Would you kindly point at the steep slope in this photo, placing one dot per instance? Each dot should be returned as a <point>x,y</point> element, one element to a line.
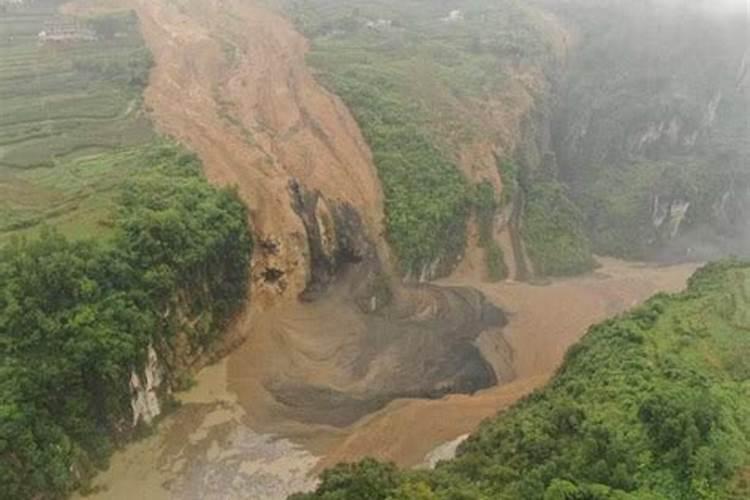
<point>650,147</point>
<point>655,141</point>
<point>448,94</point>
<point>231,82</point>
<point>259,121</point>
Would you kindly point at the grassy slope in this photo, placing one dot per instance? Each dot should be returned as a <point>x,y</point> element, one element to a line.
<point>76,196</point>
<point>654,404</point>
<point>554,232</point>
<point>71,122</point>
<point>417,89</point>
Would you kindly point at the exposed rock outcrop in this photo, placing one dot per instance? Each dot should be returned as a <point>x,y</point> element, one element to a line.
<point>652,140</point>
<point>144,390</point>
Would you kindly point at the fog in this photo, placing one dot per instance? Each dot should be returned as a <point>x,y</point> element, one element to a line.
<point>718,6</point>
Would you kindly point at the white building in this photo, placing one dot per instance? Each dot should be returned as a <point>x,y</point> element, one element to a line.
<point>65,30</point>
<point>454,16</point>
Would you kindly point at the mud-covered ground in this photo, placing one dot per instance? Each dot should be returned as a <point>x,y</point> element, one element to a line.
<point>206,450</point>
<point>544,321</point>
<point>233,439</point>
<point>329,363</point>
<point>335,377</point>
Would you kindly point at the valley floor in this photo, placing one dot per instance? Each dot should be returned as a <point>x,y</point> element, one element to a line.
<point>221,443</point>
<point>247,105</point>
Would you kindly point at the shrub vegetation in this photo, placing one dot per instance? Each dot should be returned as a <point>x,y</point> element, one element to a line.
<point>651,404</point>
<point>486,207</point>
<point>415,82</point>
<point>76,318</point>
<point>553,230</point>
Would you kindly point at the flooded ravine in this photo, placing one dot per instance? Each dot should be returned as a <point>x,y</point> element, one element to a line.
<point>320,382</point>
<point>206,449</point>
<point>229,440</point>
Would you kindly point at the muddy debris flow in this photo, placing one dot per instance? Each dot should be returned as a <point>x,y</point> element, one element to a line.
<point>329,362</point>
<point>339,359</point>
<point>231,438</point>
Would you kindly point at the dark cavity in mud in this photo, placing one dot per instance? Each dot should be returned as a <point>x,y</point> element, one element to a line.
<point>426,349</point>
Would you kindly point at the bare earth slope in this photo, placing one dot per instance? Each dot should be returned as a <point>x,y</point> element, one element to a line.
<point>230,82</point>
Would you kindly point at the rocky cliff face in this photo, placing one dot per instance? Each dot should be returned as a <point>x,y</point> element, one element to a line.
<point>638,151</point>
<point>651,128</point>
<point>145,389</point>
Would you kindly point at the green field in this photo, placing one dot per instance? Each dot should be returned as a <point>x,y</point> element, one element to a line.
<point>71,119</point>
<point>76,196</point>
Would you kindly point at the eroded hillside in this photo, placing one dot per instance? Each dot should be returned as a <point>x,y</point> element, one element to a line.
<point>493,145</point>
<point>230,81</point>
<point>620,123</point>
<point>454,99</point>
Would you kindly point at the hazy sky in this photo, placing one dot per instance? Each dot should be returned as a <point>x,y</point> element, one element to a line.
<point>719,6</point>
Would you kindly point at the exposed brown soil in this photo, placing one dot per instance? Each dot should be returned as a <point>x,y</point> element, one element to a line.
<point>544,322</point>
<point>231,83</point>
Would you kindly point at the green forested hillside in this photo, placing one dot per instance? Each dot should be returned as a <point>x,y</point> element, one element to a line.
<point>419,82</point>
<point>76,317</point>
<point>654,404</point>
<point>652,120</point>
<point>640,107</point>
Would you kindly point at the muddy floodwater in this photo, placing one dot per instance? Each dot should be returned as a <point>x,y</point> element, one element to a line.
<point>206,450</point>
<point>230,439</point>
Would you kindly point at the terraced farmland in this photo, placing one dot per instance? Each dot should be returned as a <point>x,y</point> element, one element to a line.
<point>70,113</point>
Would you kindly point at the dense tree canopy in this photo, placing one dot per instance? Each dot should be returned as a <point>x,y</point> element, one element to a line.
<point>76,317</point>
